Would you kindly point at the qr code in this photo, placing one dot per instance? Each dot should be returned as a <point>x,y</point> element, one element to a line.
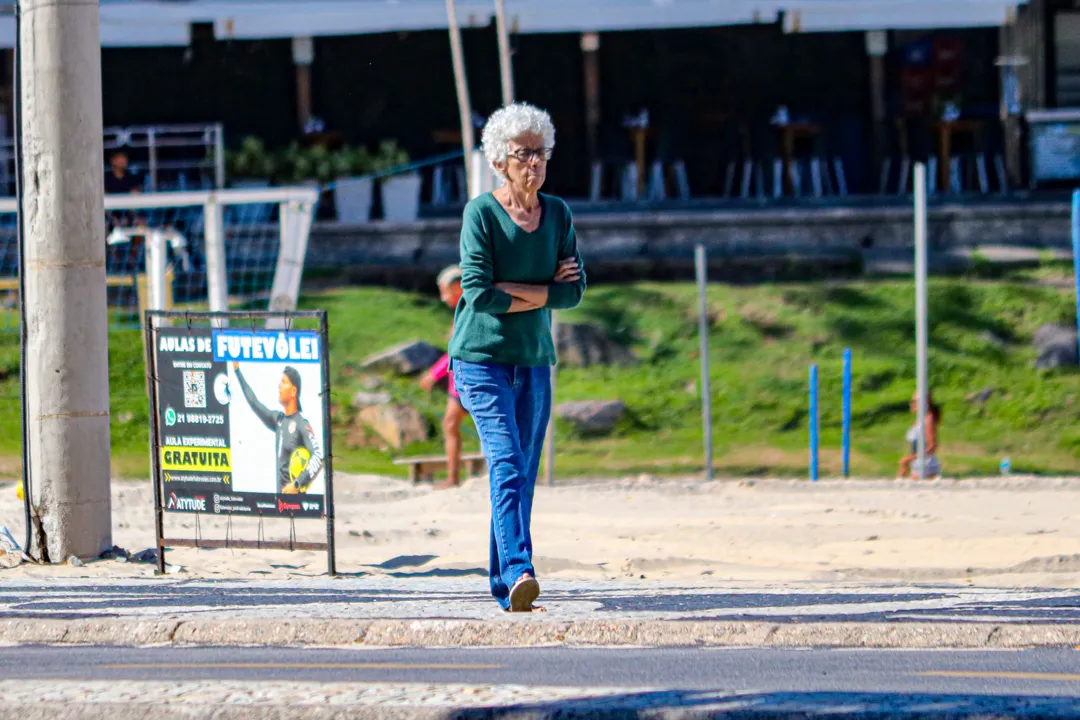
<point>194,389</point>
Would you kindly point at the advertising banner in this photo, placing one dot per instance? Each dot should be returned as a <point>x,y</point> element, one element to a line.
<point>241,421</point>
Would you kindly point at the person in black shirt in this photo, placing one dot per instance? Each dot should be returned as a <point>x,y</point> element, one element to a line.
<point>126,257</point>
<point>118,181</point>
<point>294,434</point>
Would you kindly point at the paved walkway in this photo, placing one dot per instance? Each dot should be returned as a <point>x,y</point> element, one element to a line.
<point>381,598</point>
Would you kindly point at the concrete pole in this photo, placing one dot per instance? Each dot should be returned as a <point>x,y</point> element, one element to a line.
<point>67,319</point>
<point>877,45</point>
<point>468,142</point>
<point>506,65</point>
<point>303,50</point>
<point>590,47</point>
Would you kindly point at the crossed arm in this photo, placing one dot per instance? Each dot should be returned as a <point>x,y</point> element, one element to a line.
<point>533,297</point>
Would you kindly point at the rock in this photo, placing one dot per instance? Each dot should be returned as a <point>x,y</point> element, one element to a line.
<point>994,340</point>
<point>370,382</point>
<point>361,436</point>
<point>1056,345</point>
<point>981,397</point>
<point>149,555</point>
<point>365,399</point>
<point>397,424</point>
<point>583,345</point>
<point>8,543</point>
<point>1051,334</point>
<point>10,560</point>
<point>592,417</point>
<point>74,561</point>
<point>407,358</point>
<point>114,553</point>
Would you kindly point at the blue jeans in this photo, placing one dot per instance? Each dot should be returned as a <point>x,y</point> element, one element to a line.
<point>510,406</point>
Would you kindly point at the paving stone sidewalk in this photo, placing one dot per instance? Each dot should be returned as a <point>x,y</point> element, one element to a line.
<point>231,700</point>
<point>455,612</point>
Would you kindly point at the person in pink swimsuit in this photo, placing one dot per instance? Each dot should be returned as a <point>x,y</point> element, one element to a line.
<point>449,281</point>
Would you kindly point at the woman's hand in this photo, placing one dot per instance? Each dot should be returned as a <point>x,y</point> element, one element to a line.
<point>568,271</point>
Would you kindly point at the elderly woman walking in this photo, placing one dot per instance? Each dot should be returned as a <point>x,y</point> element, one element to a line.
<point>519,260</point>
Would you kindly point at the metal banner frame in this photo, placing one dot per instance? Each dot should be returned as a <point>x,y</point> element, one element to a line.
<point>159,319</point>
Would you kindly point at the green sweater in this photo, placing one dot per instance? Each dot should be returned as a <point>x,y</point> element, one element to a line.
<point>495,249</point>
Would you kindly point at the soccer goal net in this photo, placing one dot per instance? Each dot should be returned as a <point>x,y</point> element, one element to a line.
<point>207,249</point>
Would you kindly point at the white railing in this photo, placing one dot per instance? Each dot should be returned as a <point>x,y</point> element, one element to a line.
<point>165,154</point>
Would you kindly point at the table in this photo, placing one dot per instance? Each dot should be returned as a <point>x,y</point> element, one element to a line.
<point>946,129</point>
<point>639,135</point>
<point>789,135</point>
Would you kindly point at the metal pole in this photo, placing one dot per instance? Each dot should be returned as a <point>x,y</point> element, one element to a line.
<point>155,441</point>
<point>505,63</point>
<point>701,271</point>
<point>549,441</point>
<point>152,146</point>
<point>468,142</point>
<point>67,332</point>
<point>813,423</point>
<point>1076,254</point>
<point>920,310</point>
<point>217,276</point>
<point>847,413</point>
<point>328,452</point>
<point>295,221</point>
<point>219,156</point>
<point>156,268</point>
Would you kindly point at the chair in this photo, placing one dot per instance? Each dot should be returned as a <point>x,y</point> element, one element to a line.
<point>736,159</point>
<point>682,181</point>
<point>629,188</point>
<point>462,183</point>
<point>766,154</point>
<point>917,146</point>
<point>439,190</point>
<point>596,178</point>
<point>993,147</point>
<point>833,172</point>
<point>656,190</point>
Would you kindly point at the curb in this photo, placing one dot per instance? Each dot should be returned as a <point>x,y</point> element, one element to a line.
<point>533,633</point>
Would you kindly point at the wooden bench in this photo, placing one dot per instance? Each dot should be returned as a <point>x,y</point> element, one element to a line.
<point>423,468</point>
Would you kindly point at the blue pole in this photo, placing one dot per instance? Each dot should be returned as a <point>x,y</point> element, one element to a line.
<point>1076,253</point>
<point>847,412</point>
<point>813,423</point>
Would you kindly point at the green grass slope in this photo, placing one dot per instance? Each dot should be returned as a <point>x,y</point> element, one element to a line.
<point>762,341</point>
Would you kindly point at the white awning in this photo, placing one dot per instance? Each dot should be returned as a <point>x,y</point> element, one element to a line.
<point>844,15</point>
<point>167,22</point>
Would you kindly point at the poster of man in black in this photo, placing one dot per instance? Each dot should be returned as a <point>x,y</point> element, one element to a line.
<point>299,457</point>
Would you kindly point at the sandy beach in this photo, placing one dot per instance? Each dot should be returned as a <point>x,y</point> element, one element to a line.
<point>1004,532</point>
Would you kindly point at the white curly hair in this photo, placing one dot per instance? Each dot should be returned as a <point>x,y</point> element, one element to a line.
<point>510,123</point>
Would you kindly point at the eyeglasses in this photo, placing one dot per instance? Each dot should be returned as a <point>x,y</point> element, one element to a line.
<point>524,155</point>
